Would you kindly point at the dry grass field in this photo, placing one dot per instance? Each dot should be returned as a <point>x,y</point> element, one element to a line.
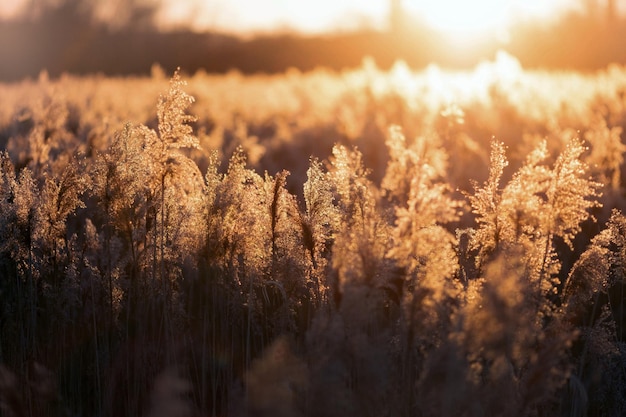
<point>356,243</point>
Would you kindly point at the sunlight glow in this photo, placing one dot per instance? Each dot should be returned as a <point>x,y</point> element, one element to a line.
<point>10,9</point>
<point>254,16</point>
<point>459,18</point>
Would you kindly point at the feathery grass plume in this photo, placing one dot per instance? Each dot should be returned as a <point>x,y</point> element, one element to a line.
<point>607,154</point>
<point>425,251</point>
<point>121,179</point>
<point>323,218</point>
<point>154,192</point>
<point>152,198</point>
<point>427,193</point>
<point>486,204</point>
<point>212,177</point>
<point>356,200</point>
<point>123,188</point>
<point>174,129</point>
<point>212,181</point>
<point>17,204</point>
<point>362,240</point>
<point>288,285</point>
<point>48,137</point>
<point>523,197</point>
<point>571,194</point>
<point>602,265</point>
<point>175,133</point>
<point>178,186</point>
<point>277,210</point>
<point>542,204</point>
<point>609,245</point>
<point>349,178</point>
<point>359,273</point>
<point>319,225</point>
<point>244,248</point>
<point>19,201</point>
<point>179,215</point>
<point>60,283</point>
<point>424,160</point>
<point>420,242</point>
<point>254,244</point>
<point>569,197</point>
<point>60,198</point>
<point>245,229</point>
<point>361,268</point>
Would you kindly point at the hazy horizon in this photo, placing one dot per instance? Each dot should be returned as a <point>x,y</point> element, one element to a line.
<point>129,36</point>
<point>252,17</point>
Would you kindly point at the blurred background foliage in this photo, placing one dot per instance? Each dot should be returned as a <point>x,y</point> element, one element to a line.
<point>68,36</point>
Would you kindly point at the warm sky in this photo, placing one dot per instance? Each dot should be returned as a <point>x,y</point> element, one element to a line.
<point>245,16</point>
<point>321,15</point>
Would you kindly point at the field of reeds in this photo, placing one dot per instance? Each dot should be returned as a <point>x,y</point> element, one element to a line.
<point>357,243</point>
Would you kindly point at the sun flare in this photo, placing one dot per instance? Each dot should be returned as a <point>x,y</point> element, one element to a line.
<point>462,18</point>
